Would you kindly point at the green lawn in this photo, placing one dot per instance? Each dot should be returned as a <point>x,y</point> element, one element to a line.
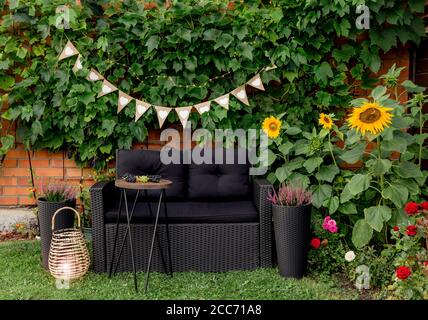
<point>21,277</point>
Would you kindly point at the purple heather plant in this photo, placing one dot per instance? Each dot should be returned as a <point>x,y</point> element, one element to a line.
<point>56,191</point>
<point>292,196</point>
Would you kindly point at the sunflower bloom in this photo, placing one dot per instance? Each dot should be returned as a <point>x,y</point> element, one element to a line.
<point>271,126</point>
<point>326,121</point>
<point>370,117</point>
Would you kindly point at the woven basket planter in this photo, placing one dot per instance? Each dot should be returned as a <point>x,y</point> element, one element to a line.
<point>46,212</point>
<point>292,227</point>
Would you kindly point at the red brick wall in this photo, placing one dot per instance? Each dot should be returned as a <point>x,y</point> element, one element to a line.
<point>15,173</point>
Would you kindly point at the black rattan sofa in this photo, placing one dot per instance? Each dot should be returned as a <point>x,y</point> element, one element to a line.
<point>219,218</point>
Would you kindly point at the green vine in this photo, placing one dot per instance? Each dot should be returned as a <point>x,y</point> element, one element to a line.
<point>166,56</point>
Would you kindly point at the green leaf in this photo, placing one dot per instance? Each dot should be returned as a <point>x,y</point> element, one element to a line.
<point>276,15</point>
<point>106,148</point>
<point>285,148</point>
<point>320,194</point>
<point>358,183</point>
<point>293,131</point>
<point>312,163</point>
<point>379,166</point>
<point>323,71</point>
<point>361,233</point>
<point>333,204</point>
<point>211,34</point>
<point>397,194</point>
<point>271,157</point>
<point>408,170</point>
<point>152,43</point>
<point>378,92</point>
<point>282,173</point>
<point>348,208</point>
<point>354,155</point>
<point>6,82</point>
<point>398,144</point>
<point>223,41</point>
<point>240,31</point>
<point>327,173</point>
<point>376,216</point>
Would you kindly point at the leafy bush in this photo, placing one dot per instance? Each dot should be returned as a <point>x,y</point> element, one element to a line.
<point>193,51</point>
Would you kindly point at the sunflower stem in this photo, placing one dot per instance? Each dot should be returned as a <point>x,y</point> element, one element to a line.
<point>421,124</point>
<point>331,149</point>
<point>379,157</point>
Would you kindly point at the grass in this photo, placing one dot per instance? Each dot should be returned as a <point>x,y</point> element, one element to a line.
<point>22,277</point>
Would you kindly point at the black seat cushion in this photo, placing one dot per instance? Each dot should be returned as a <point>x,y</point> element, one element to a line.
<point>225,181</point>
<point>191,212</point>
<point>140,162</point>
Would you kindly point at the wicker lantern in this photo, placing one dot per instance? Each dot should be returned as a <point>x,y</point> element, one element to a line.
<point>68,255</point>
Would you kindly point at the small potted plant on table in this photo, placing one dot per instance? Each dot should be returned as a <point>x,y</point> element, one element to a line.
<point>54,195</point>
<point>291,208</point>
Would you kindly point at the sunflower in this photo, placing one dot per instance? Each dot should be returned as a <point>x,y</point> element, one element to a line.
<point>326,121</point>
<point>271,126</point>
<point>370,117</point>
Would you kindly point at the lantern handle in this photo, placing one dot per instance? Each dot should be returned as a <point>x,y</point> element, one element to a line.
<point>64,208</point>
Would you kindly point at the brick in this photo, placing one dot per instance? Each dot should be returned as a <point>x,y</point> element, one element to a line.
<point>49,172</point>
<point>11,191</point>
<point>17,154</point>
<point>23,181</point>
<point>73,172</point>
<point>8,181</point>
<point>59,163</point>
<point>27,200</point>
<point>8,201</point>
<point>16,172</point>
<point>88,172</point>
<point>9,163</point>
<point>36,163</point>
<point>44,154</point>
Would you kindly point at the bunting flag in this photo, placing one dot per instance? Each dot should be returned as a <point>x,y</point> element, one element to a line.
<point>272,67</point>
<point>78,64</point>
<point>68,51</point>
<point>256,82</point>
<point>140,108</point>
<point>223,101</point>
<point>94,75</point>
<point>241,94</point>
<point>162,113</point>
<point>203,107</point>
<point>123,101</point>
<point>183,114</point>
<point>106,88</point>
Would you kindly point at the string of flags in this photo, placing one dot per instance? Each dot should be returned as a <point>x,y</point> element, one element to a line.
<point>162,112</point>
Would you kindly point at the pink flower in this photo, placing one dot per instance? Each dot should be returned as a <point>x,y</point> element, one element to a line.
<point>329,224</point>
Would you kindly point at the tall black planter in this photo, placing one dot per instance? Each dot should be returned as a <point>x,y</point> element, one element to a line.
<point>63,220</point>
<point>292,227</point>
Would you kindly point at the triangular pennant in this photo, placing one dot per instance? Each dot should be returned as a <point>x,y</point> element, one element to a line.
<point>162,113</point>
<point>183,114</point>
<point>78,64</point>
<point>68,51</point>
<point>256,82</point>
<point>241,95</point>
<point>203,107</point>
<point>106,88</point>
<point>94,75</point>
<point>223,101</point>
<point>271,67</point>
<point>140,108</point>
<point>123,101</point>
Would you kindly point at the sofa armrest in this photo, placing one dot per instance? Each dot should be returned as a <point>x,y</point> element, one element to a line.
<point>261,190</point>
<point>101,195</point>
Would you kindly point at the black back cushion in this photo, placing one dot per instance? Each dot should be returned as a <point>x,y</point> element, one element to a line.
<point>140,162</point>
<point>224,181</point>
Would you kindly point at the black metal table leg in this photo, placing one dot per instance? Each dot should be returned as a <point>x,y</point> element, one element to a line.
<point>167,235</point>
<point>115,234</point>
<point>127,229</point>
<point>149,264</point>
<point>157,238</point>
<point>130,238</point>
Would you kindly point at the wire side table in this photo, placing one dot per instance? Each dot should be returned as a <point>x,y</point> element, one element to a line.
<point>123,185</point>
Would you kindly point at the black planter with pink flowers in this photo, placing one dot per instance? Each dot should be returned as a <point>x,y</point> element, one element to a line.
<point>292,231</point>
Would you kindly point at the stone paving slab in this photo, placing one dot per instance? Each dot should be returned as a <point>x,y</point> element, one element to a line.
<point>10,216</point>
